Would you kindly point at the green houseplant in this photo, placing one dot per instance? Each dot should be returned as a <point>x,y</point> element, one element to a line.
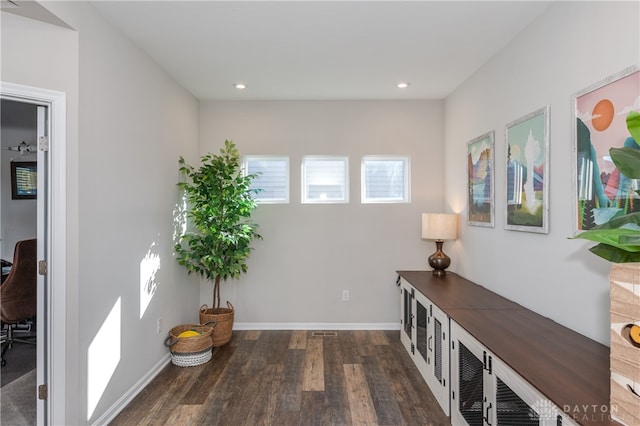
<point>219,205</point>
<point>619,238</point>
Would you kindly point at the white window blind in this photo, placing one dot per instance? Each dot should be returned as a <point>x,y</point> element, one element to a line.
<point>385,179</point>
<point>325,179</point>
<point>272,177</point>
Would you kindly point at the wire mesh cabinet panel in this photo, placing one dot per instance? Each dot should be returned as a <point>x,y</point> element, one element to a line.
<point>407,294</point>
<point>470,386</point>
<point>518,403</point>
<point>486,392</point>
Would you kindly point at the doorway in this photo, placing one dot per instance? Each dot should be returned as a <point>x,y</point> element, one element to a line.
<point>18,223</point>
<point>48,390</point>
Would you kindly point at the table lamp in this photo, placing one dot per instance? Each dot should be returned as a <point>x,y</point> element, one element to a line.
<point>439,227</point>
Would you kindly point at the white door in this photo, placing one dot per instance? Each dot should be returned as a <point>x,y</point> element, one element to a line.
<point>52,248</point>
<point>43,239</point>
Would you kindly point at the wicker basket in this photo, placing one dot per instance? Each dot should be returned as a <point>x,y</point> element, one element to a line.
<point>224,322</point>
<point>193,350</point>
<point>191,359</point>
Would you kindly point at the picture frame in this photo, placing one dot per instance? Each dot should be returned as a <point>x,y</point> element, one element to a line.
<point>24,180</point>
<point>527,173</point>
<point>480,180</point>
<point>599,122</point>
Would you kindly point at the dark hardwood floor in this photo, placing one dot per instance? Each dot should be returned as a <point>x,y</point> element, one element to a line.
<point>292,378</point>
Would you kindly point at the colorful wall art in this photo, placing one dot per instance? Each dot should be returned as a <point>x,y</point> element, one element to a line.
<point>527,205</point>
<point>600,123</point>
<point>480,180</point>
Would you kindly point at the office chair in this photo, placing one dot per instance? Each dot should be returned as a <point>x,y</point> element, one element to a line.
<point>18,293</point>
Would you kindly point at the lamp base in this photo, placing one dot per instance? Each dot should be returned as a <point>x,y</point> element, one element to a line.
<point>439,261</point>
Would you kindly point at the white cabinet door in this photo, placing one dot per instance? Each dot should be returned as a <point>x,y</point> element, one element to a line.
<point>425,334</point>
<point>469,385</point>
<point>518,403</point>
<point>438,347</point>
<point>406,316</point>
<point>432,348</point>
<point>506,398</point>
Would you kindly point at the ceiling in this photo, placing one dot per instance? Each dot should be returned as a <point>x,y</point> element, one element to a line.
<point>286,50</point>
<point>31,9</point>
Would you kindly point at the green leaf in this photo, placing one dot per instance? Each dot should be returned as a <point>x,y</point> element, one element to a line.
<point>627,160</point>
<point>610,237</point>
<point>631,239</point>
<point>633,125</point>
<point>614,254</point>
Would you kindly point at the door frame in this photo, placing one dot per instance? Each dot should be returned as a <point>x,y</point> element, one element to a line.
<point>51,410</point>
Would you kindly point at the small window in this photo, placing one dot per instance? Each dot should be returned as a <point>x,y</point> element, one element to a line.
<point>272,178</point>
<point>325,179</point>
<point>385,179</point>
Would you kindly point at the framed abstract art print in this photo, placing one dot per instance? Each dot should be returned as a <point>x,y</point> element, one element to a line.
<point>480,180</point>
<point>599,123</point>
<point>527,178</point>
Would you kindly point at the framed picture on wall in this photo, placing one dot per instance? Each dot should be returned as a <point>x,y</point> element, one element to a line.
<point>599,121</point>
<point>527,183</point>
<point>24,180</point>
<point>480,180</point>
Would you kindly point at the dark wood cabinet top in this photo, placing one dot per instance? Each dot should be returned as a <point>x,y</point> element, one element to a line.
<point>568,368</point>
<point>454,292</point>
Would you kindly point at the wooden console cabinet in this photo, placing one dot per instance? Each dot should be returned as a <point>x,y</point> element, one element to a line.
<point>504,363</point>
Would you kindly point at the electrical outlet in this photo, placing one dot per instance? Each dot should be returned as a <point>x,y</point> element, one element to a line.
<point>345,295</point>
<point>159,325</point>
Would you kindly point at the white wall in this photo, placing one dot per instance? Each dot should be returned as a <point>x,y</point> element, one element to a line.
<point>567,49</point>
<point>311,252</point>
<point>26,45</point>
<point>129,123</point>
<point>18,217</point>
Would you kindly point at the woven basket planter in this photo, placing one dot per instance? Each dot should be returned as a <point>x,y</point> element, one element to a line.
<point>224,322</point>
<point>191,359</point>
<point>193,350</point>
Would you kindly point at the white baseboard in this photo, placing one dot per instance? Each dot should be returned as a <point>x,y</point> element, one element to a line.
<point>315,326</point>
<point>108,416</point>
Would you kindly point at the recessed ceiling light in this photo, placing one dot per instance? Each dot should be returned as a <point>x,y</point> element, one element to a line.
<point>240,86</point>
<point>403,85</point>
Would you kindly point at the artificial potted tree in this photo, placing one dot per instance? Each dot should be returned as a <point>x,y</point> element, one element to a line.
<point>619,242</point>
<point>218,242</point>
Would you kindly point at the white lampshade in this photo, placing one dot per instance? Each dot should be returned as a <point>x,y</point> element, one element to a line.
<point>439,226</point>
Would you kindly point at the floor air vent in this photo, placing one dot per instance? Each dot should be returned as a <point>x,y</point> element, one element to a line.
<point>324,334</point>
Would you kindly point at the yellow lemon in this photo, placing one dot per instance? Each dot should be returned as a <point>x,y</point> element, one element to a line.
<point>188,333</point>
<point>634,333</point>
